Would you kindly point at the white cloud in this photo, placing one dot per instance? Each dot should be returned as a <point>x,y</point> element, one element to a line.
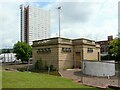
<point>10,27</point>
<point>89,20</point>
<point>92,19</point>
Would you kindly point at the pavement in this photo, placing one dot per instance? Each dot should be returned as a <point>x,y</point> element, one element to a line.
<point>73,74</point>
<point>77,76</point>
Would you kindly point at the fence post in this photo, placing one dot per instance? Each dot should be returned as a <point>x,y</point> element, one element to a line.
<point>82,72</point>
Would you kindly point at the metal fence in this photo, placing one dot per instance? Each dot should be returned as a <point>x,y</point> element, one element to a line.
<point>100,74</point>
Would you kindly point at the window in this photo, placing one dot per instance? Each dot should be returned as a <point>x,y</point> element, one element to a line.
<point>44,50</point>
<point>90,50</point>
<point>66,49</point>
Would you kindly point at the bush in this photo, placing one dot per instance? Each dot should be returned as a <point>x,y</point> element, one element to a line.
<point>108,57</point>
<point>104,57</point>
<point>39,65</point>
<point>45,65</point>
<point>51,68</point>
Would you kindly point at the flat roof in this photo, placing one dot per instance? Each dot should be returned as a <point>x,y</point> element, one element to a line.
<point>83,39</point>
<point>63,38</point>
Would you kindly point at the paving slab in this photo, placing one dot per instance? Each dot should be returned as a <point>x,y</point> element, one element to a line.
<point>77,76</point>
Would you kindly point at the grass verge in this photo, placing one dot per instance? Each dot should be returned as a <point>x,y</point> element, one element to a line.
<point>37,80</point>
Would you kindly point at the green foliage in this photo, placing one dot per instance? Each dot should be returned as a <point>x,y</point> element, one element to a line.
<point>23,51</point>
<point>108,57</point>
<point>51,68</point>
<point>39,65</point>
<point>114,48</point>
<point>7,50</point>
<point>45,65</point>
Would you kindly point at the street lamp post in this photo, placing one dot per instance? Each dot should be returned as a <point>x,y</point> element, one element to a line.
<point>59,8</point>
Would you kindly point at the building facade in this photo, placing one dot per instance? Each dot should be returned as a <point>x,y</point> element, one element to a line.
<point>104,45</point>
<point>35,24</point>
<point>65,53</point>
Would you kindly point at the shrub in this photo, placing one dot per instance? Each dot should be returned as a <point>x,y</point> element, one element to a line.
<point>51,68</point>
<point>108,57</point>
<point>45,65</point>
<point>39,65</point>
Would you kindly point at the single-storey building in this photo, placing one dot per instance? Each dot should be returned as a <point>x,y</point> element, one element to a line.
<point>65,53</point>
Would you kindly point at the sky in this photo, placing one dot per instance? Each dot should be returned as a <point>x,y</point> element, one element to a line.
<point>91,19</point>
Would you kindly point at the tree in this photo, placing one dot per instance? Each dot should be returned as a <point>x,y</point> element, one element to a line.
<point>7,50</point>
<point>23,51</point>
<point>114,48</point>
